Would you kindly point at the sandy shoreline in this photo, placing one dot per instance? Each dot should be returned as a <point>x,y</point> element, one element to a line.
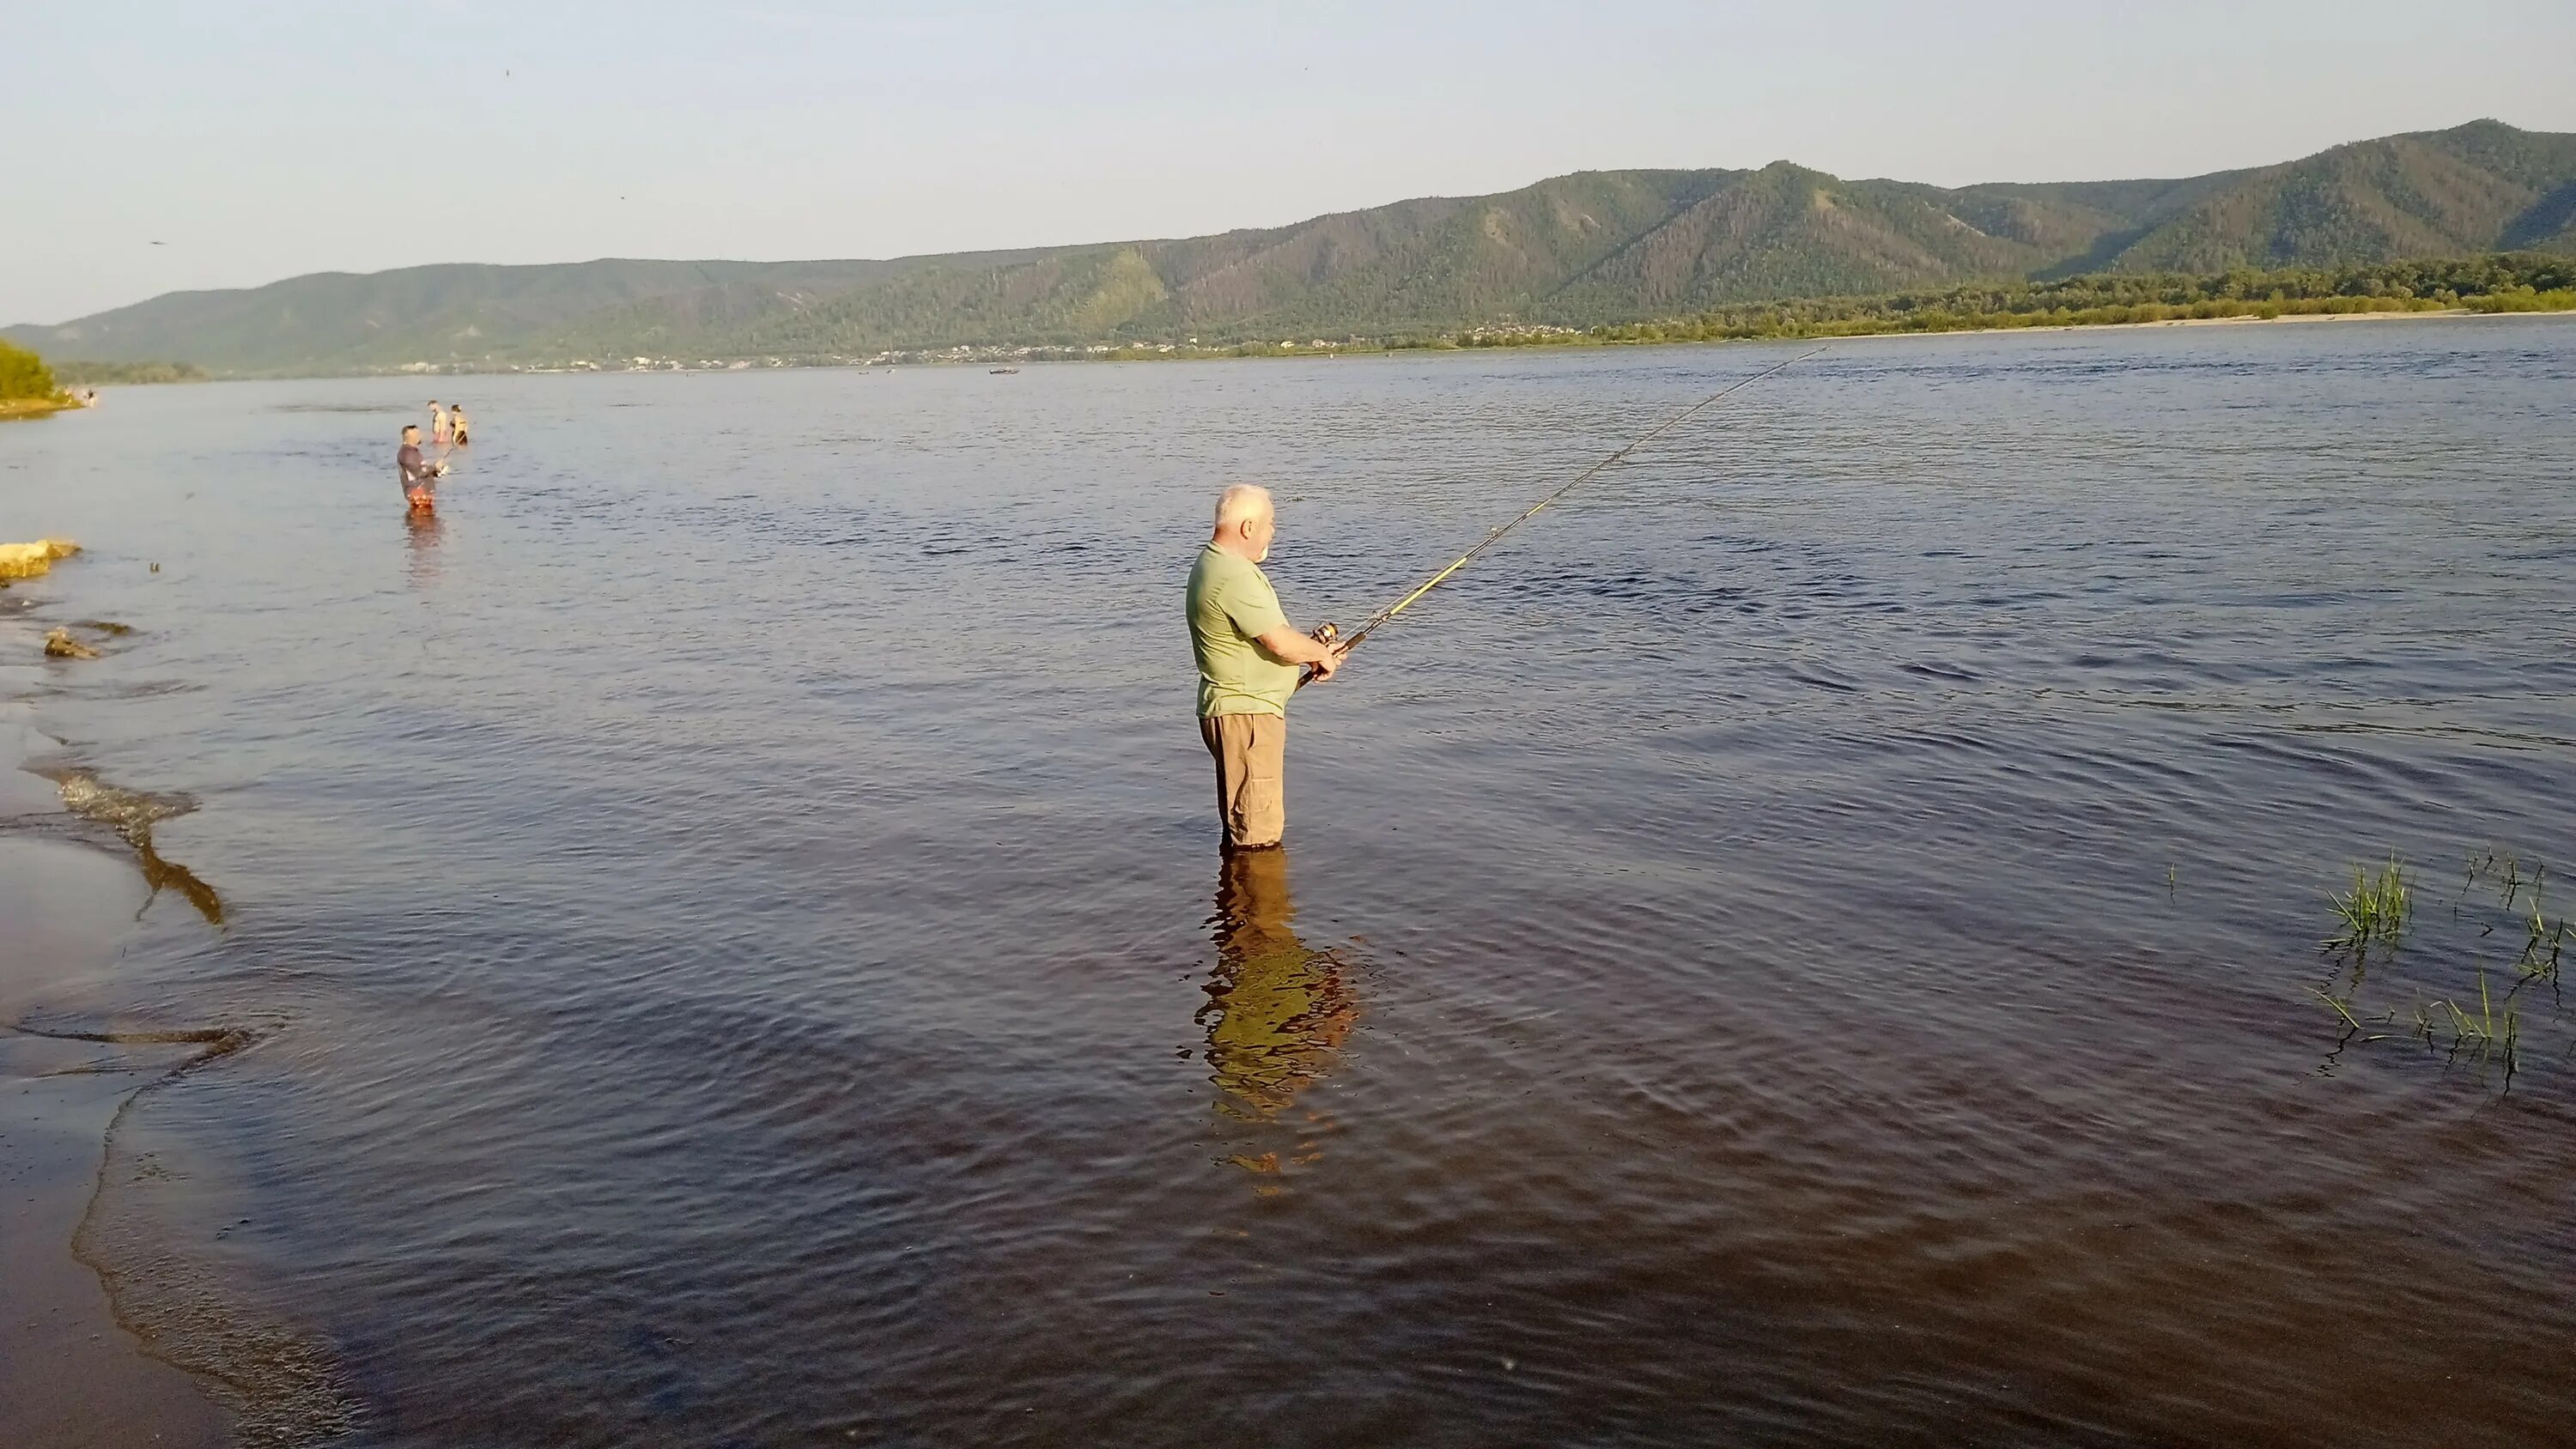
<point>71,1376</point>
<point>2453,313</point>
<point>36,407</point>
<point>1823,338</point>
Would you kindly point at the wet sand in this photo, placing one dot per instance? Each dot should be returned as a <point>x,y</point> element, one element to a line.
<point>70,1375</point>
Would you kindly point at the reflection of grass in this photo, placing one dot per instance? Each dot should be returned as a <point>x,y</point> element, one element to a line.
<point>2375,909</point>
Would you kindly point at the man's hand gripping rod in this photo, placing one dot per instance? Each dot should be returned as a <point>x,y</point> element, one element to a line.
<point>1327,633</point>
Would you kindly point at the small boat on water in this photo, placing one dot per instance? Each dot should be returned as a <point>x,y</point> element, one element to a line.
<point>998,371</point>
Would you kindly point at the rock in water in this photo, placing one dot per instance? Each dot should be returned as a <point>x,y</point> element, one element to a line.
<point>26,560</point>
<point>61,645</point>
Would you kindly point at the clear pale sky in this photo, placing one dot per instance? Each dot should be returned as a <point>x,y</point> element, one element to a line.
<point>259,141</point>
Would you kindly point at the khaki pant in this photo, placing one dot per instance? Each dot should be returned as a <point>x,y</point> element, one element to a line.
<point>1251,753</point>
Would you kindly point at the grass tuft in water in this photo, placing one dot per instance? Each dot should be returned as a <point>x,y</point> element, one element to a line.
<point>2343,1009</point>
<point>2376,909</point>
<point>2511,873</point>
<point>2487,1033</point>
<point>2545,941</point>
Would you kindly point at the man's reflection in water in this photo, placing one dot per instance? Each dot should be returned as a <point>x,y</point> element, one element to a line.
<point>426,530</point>
<point>1277,1012</point>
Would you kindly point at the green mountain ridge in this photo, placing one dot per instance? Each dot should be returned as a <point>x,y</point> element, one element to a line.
<point>1578,250</point>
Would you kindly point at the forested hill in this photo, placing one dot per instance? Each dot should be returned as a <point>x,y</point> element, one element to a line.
<point>1594,247</point>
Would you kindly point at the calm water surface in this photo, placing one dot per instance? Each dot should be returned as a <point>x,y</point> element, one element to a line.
<point>1814,942</point>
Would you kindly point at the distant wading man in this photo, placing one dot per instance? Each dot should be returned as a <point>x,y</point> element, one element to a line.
<point>419,475</point>
<point>1249,662</point>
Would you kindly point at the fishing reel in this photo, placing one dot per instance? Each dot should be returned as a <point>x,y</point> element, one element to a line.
<point>1324,633</point>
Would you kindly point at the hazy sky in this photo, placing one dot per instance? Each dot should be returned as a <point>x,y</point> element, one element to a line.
<point>263,140</point>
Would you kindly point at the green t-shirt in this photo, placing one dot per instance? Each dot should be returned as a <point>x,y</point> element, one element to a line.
<point>1231,605</point>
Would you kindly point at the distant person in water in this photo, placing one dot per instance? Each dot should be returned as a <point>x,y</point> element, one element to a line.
<point>419,475</point>
<point>456,423</point>
<point>437,424</point>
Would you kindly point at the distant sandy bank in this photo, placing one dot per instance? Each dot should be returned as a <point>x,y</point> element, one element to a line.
<point>2247,321</point>
<point>38,407</point>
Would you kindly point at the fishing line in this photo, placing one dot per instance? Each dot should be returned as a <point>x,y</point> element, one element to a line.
<point>1329,633</point>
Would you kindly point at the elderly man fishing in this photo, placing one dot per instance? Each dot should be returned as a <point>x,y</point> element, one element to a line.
<point>1249,658</point>
<point>1250,661</point>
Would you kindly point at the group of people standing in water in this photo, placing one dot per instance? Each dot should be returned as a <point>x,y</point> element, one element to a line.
<point>419,474</point>
<point>446,424</point>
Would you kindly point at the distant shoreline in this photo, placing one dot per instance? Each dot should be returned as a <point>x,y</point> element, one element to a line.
<point>2245,321</point>
<point>1444,347</point>
<point>1247,352</point>
<point>1792,337</point>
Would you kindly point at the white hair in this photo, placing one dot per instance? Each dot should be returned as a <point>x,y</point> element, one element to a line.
<point>1241,504</point>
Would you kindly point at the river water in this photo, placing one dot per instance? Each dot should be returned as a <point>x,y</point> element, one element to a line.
<point>1814,941</point>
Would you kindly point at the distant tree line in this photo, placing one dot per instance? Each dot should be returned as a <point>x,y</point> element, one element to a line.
<point>2504,282</point>
<point>99,374</point>
<point>24,375</point>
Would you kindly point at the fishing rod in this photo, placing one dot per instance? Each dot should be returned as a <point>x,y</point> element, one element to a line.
<point>1328,633</point>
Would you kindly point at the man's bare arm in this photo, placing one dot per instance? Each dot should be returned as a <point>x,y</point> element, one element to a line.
<point>1296,648</point>
<point>1288,644</point>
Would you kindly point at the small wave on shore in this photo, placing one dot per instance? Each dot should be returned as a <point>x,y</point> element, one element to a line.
<point>152,1225</point>
<point>170,1283</point>
<point>160,1205</point>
